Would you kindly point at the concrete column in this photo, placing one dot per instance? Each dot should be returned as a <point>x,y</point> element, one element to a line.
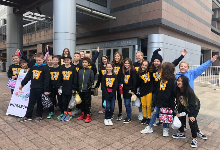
<point>64,26</point>
<point>14,37</point>
<point>39,48</point>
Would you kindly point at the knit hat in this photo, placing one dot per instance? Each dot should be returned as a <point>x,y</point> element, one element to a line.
<point>156,55</point>
<point>66,56</point>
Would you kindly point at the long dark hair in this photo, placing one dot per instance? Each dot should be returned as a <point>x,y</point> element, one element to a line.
<point>101,63</point>
<point>131,65</point>
<point>167,71</point>
<point>186,88</point>
<point>68,51</point>
<point>140,70</point>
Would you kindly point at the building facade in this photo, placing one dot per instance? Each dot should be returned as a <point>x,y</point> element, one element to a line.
<point>135,25</point>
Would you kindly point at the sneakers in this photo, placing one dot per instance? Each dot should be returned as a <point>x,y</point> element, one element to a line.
<point>68,117</point>
<point>112,116</point>
<point>106,122</point>
<point>157,122</point>
<point>127,120</point>
<point>23,119</point>
<point>140,116</point>
<point>119,117</point>
<point>101,111</point>
<point>194,143</point>
<point>148,129</point>
<point>50,115</point>
<point>38,119</point>
<point>179,136</point>
<point>144,121</point>
<point>63,118</point>
<point>165,132</point>
<point>60,116</point>
<point>110,123</point>
<point>88,118</point>
<point>201,135</point>
<point>82,116</point>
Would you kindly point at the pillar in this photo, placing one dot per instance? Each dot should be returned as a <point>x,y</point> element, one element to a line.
<point>64,26</point>
<point>40,48</point>
<point>14,32</point>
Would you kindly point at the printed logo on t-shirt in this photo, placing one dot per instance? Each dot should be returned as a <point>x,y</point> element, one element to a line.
<point>36,74</point>
<point>182,101</point>
<point>136,68</point>
<point>66,75</point>
<point>109,82</point>
<point>145,77</point>
<point>90,67</point>
<point>77,69</point>
<point>16,71</point>
<point>126,79</point>
<point>116,70</point>
<point>103,72</point>
<point>157,76</point>
<point>163,85</point>
<point>54,75</point>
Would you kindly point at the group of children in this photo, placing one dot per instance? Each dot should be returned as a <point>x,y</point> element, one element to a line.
<point>153,82</point>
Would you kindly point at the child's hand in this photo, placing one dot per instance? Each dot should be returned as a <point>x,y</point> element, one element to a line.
<point>97,49</point>
<point>214,58</point>
<point>178,115</point>
<point>73,91</point>
<point>14,77</point>
<point>20,87</point>
<point>46,93</point>
<point>192,119</point>
<point>184,52</point>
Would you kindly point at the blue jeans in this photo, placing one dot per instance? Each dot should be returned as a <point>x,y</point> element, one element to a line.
<point>128,107</point>
<point>154,116</point>
<point>110,105</point>
<point>103,98</point>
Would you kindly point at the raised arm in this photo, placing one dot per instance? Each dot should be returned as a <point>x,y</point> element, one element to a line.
<point>177,61</point>
<point>200,69</point>
<point>94,58</point>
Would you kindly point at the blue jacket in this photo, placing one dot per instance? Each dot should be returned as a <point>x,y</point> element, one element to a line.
<point>193,74</point>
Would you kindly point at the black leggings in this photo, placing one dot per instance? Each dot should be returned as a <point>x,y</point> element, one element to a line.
<point>193,126</point>
<point>119,101</point>
<point>66,100</point>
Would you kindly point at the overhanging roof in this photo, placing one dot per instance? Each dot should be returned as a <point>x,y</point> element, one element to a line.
<point>23,5</point>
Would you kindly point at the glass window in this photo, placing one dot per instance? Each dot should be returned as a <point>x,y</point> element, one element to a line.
<point>108,53</point>
<point>125,52</point>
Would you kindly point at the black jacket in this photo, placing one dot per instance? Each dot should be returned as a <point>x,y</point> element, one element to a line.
<point>129,83</point>
<point>101,73</point>
<point>145,83</point>
<point>118,72</point>
<point>110,82</point>
<point>39,76</point>
<point>164,97</point>
<point>54,75</point>
<point>84,80</point>
<point>93,67</point>
<point>66,79</point>
<point>13,70</point>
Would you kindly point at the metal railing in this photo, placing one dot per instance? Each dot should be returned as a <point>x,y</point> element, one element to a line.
<point>210,76</point>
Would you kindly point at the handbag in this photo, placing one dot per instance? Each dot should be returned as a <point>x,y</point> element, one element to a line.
<point>120,89</point>
<point>46,101</point>
<point>166,115</point>
<point>78,98</point>
<point>11,83</point>
<point>72,103</point>
<point>176,123</point>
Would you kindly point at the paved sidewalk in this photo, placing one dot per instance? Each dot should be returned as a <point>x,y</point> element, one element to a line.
<point>53,134</point>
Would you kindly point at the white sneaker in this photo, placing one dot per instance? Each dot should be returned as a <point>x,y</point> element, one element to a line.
<point>140,116</point>
<point>148,129</point>
<point>165,132</point>
<point>110,123</point>
<point>106,122</point>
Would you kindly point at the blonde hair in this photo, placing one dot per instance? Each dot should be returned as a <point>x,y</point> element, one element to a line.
<point>184,63</point>
<point>49,57</point>
<point>139,52</point>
